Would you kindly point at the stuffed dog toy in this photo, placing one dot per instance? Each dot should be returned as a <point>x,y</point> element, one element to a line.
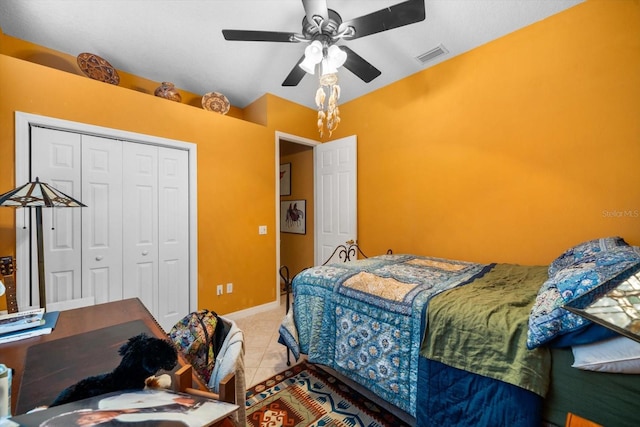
<point>142,357</point>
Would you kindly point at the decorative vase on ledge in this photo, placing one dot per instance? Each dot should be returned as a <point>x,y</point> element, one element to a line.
<point>168,91</point>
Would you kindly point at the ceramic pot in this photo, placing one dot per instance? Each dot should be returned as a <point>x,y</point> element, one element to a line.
<point>168,91</point>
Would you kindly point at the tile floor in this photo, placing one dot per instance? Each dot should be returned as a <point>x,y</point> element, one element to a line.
<point>264,356</point>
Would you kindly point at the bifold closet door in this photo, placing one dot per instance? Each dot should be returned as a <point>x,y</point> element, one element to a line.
<point>156,230</point>
<point>173,236</point>
<point>140,223</point>
<point>102,219</point>
<point>55,159</point>
<point>132,239</point>
<point>83,246</point>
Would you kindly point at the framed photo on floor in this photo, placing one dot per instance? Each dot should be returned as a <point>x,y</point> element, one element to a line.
<point>285,179</point>
<point>140,407</point>
<point>293,216</point>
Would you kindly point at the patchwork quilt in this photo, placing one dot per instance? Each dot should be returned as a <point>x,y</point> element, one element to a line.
<point>366,319</point>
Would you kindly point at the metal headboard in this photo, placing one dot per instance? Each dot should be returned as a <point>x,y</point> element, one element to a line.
<point>349,252</point>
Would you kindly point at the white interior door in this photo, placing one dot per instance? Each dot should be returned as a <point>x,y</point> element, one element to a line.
<point>140,223</point>
<point>173,236</point>
<point>56,158</point>
<point>335,195</point>
<point>101,219</point>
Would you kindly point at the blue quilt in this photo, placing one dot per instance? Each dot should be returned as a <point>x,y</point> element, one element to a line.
<point>452,397</point>
<point>365,319</point>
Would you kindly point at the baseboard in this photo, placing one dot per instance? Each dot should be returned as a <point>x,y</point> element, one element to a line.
<point>252,310</point>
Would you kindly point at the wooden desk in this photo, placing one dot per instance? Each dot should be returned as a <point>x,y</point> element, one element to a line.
<point>73,323</point>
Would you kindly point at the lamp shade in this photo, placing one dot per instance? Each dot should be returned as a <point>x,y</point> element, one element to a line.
<point>312,56</point>
<point>38,193</point>
<point>336,56</point>
<point>327,68</point>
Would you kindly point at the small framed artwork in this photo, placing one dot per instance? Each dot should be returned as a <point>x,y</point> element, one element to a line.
<point>293,216</point>
<point>285,179</point>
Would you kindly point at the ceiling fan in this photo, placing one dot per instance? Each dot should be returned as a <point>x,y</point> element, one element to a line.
<point>326,26</point>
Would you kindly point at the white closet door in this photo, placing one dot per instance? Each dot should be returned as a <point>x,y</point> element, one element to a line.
<point>55,159</point>
<point>132,239</point>
<point>102,218</point>
<point>140,224</point>
<point>173,238</point>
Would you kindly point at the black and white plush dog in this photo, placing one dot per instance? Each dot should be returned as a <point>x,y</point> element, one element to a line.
<point>142,357</point>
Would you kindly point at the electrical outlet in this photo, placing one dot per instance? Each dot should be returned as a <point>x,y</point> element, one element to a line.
<point>262,229</point>
<point>229,288</point>
<point>220,291</point>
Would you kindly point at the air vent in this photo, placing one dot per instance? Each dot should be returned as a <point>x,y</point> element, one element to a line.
<point>432,54</point>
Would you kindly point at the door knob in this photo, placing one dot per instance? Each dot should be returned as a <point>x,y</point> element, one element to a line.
<point>99,258</point>
<point>145,253</point>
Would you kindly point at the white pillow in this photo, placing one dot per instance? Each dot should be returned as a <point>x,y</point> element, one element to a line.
<point>620,355</point>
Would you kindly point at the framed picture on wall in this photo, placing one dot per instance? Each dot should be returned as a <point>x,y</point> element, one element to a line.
<point>293,216</point>
<point>285,179</point>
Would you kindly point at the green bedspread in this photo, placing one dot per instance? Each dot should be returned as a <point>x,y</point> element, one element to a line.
<point>482,327</point>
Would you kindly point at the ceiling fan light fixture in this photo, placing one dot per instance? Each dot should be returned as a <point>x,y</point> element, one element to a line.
<point>312,56</point>
<point>336,56</point>
<point>328,67</point>
<point>308,65</point>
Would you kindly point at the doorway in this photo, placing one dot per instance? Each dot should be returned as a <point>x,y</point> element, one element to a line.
<point>330,208</point>
<point>295,245</point>
<point>296,206</point>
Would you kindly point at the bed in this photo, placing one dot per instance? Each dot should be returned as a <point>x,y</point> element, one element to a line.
<point>449,341</point>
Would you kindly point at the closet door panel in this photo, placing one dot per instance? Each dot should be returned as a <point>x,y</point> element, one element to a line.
<point>102,219</point>
<point>140,223</point>
<point>55,159</point>
<point>173,229</point>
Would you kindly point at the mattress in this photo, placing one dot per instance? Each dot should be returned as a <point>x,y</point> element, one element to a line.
<point>604,398</point>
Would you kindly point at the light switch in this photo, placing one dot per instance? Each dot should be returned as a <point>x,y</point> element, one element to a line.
<point>262,229</point>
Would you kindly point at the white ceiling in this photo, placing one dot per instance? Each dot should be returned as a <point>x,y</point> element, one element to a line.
<point>181,40</point>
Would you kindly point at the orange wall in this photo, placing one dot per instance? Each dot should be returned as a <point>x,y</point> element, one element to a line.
<point>511,152</point>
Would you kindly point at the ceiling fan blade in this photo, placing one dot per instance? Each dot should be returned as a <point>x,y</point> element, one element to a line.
<point>315,8</point>
<point>360,66</point>
<point>259,36</point>
<point>398,15</point>
<point>295,76</point>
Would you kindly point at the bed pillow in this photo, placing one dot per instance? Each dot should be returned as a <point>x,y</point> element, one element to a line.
<point>620,355</point>
<point>590,333</point>
<point>584,250</point>
<point>548,321</point>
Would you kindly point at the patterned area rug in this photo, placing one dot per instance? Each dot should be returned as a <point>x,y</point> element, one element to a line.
<point>305,395</point>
